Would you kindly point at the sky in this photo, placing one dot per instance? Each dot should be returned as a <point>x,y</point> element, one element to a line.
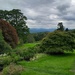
<point>44,13</point>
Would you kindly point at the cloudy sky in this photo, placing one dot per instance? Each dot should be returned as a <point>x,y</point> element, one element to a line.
<point>44,13</point>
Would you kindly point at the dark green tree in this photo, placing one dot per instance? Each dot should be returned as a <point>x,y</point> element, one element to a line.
<point>30,38</point>
<point>57,42</point>
<point>39,36</point>
<point>60,26</point>
<point>66,29</point>
<point>4,14</point>
<point>16,18</point>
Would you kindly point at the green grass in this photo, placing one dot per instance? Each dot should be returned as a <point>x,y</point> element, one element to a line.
<point>27,45</point>
<point>50,65</point>
<point>30,44</point>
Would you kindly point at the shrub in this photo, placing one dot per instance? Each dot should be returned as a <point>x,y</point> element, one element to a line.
<point>15,58</point>
<point>25,54</point>
<point>29,53</point>
<point>57,42</point>
<point>13,69</point>
<point>4,47</point>
<point>9,33</point>
<point>4,60</point>
<point>37,48</point>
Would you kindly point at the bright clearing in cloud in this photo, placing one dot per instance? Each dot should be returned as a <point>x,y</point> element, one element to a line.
<point>44,13</point>
<point>73,2</point>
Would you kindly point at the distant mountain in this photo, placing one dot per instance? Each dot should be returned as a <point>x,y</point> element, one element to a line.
<point>36,30</point>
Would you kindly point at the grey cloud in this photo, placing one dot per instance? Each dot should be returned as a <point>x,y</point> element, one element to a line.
<point>63,5</point>
<point>38,3</point>
<point>69,17</point>
<point>43,13</point>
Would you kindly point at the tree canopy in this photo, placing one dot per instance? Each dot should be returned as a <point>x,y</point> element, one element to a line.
<point>57,42</point>
<point>60,26</point>
<point>16,18</point>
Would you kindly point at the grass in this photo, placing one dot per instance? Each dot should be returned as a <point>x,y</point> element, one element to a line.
<point>50,65</point>
<point>27,45</point>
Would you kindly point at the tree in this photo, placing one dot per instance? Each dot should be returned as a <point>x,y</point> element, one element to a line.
<point>66,29</point>
<point>18,20</point>
<point>39,36</point>
<point>9,33</point>
<point>30,38</point>
<point>60,26</point>
<point>57,42</point>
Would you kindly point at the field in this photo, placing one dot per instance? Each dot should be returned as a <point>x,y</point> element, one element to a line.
<point>49,64</point>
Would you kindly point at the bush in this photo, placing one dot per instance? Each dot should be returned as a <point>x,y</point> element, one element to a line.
<point>29,53</point>
<point>12,69</point>
<point>9,33</point>
<point>15,58</point>
<point>25,54</point>
<point>4,47</point>
<point>4,60</point>
<point>57,42</point>
<point>37,48</point>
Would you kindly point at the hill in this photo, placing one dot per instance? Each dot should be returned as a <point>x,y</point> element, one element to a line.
<point>36,30</point>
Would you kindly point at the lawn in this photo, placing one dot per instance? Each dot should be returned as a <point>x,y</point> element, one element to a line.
<point>27,45</point>
<point>50,65</point>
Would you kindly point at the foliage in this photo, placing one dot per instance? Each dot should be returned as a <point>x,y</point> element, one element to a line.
<point>72,32</point>
<point>39,36</point>
<point>57,42</point>
<point>60,26</point>
<point>9,33</point>
<point>4,60</point>
<point>13,69</point>
<point>37,48</point>
<point>30,39</point>
<point>66,29</point>
<point>15,57</point>
<point>29,53</point>
<point>16,18</point>
<point>4,47</point>
<point>26,53</point>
